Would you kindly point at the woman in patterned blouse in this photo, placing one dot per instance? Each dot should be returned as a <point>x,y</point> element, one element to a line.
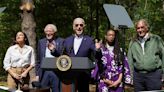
<point>109,71</point>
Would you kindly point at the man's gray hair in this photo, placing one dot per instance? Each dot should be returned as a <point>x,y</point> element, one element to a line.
<point>144,21</point>
<point>52,26</point>
<point>79,19</point>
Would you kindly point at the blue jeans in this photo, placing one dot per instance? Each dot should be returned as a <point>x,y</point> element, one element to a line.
<point>50,79</point>
<point>147,81</point>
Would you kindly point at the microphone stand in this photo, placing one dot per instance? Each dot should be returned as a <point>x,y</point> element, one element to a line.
<point>122,29</point>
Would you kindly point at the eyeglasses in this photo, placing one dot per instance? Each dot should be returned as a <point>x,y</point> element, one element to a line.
<point>81,25</point>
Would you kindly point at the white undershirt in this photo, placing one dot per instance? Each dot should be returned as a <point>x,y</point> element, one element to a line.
<point>142,42</point>
<point>77,43</point>
<point>48,52</point>
<point>110,48</point>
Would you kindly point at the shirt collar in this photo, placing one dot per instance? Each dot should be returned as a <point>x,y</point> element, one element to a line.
<point>78,37</point>
<point>146,37</point>
<point>17,46</point>
<point>109,47</point>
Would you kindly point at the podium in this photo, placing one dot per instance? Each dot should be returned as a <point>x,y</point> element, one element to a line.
<point>68,78</point>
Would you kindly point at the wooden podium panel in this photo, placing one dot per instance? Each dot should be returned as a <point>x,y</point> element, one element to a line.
<point>68,86</point>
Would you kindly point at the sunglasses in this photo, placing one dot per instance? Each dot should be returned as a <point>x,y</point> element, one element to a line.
<point>81,25</point>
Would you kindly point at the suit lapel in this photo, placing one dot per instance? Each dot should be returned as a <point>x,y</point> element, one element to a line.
<point>72,45</point>
<point>82,45</point>
<point>57,43</point>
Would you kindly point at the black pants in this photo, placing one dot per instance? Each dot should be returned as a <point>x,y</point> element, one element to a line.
<point>147,81</point>
<point>83,82</point>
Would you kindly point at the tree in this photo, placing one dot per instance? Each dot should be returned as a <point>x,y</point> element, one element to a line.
<point>28,24</point>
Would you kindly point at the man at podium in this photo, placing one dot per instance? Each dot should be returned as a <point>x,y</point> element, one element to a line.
<point>80,45</point>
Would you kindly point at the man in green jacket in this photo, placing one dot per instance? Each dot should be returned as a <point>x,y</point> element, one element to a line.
<point>146,58</point>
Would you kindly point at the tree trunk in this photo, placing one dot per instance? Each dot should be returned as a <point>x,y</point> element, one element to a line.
<point>28,27</point>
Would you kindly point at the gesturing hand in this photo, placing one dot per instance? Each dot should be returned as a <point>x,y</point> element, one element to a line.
<point>51,46</point>
<point>98,44</point>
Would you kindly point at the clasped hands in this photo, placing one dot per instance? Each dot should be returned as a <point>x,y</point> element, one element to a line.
<point>111,83</point>
<point>19,76</point>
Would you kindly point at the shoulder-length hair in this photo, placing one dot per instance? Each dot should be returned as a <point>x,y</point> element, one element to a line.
<point>25,39</point>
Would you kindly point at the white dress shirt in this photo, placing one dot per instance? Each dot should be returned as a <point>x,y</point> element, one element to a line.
<point>77,43</point>
<point>19,57</point>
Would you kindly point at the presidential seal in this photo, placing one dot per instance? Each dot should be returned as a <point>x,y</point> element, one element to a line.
<point>63,63</point>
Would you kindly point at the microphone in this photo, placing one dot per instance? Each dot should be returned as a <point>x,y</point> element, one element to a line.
<point>64,51</point>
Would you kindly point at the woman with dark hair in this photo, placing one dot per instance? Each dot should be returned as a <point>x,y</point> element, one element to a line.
<point>18,61</point>
<point>109,68</point>
<point>26,42</point>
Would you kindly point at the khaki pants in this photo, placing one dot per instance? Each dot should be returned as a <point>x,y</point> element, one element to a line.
<point>13,83</point>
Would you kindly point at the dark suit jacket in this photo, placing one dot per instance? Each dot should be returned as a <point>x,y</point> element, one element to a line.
<point>41,52</point>
<point>86,48</point>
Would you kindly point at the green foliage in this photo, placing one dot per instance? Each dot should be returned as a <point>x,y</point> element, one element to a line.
<point>152,11</point>
<point>62,13</point>
<point>9,25</point>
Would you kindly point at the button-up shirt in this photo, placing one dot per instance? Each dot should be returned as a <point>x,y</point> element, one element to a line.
<point>19,57</point>
<point>77,43</point>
